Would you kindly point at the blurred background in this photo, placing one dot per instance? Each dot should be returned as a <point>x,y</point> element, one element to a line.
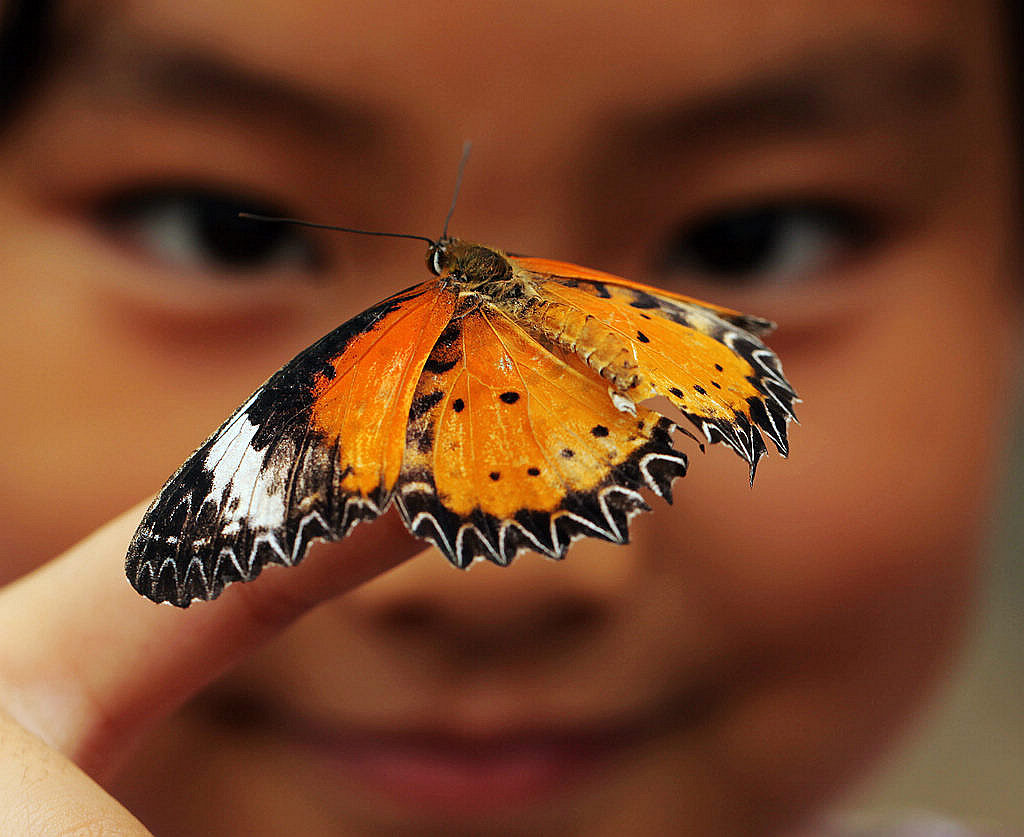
<point>965,757</point>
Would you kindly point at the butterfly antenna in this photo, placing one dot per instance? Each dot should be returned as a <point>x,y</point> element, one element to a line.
<point>467,146</point>
<point>301,223</point>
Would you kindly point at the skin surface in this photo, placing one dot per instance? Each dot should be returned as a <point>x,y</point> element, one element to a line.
<point>747,655</point>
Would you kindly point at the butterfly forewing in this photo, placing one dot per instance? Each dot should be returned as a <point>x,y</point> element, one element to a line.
<point>314,450</point>
<point>599,281</point>
<point>704,359</point>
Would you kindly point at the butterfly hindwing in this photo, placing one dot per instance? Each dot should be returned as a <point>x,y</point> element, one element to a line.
<point>510,448</point>
<point>314,450</point>
<point>706,360</point>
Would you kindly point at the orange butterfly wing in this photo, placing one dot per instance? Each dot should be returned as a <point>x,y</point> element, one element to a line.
<point>313,451</point>
<point>514,448</point>
<point>705,359</point>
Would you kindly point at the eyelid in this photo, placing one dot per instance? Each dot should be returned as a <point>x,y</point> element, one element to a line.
<point>832,292</point>
<point>701,247</point>
<point>196,228</point>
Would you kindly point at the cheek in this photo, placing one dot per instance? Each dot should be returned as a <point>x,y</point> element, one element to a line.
<point>890,473</point>
<point>843,578</point>
<point>103,395</point>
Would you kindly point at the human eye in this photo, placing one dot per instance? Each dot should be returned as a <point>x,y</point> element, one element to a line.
<point>196,228</point>
<point>764,242</point>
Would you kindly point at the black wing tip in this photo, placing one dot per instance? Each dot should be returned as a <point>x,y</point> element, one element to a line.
<point>758,326</point>
<point>202,579</point>
<point>161,573</point>
<point>160,585</point>
<point>162,581</point>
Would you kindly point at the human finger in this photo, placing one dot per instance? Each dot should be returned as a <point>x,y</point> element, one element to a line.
<point>43,793</point>
<point>87,664</point>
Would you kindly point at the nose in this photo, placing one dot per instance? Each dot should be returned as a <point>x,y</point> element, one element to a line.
<point>533,604</point>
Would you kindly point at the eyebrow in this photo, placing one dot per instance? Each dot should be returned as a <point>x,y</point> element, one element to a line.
<point>846,89</point>
<point>191,78</point>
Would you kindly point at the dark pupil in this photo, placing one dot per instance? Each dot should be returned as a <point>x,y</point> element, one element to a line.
<point>736,243</point>
<point>238,241</point>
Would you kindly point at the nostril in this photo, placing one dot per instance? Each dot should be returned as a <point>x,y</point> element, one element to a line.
<point>408,617</point>
<point>568,618</point>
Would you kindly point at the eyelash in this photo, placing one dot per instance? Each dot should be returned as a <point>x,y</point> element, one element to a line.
<point>197,228</point>
<point>767,241</point>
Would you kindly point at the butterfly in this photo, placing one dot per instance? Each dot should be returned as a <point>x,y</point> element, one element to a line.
<point>499,406</point>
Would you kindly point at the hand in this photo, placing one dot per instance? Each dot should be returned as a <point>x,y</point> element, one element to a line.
<point>86,664</point>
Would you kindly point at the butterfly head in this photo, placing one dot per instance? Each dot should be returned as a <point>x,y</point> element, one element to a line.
<point>439,255</point>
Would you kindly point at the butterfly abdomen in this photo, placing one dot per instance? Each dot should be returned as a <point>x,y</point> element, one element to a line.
<point>601,348</point>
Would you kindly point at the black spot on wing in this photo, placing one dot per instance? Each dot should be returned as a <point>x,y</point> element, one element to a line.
<point>642,299</point>
<point>509,397</point>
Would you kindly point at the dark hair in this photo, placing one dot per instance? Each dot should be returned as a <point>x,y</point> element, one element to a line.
<point>1013,27</point>
<point>25,39</point>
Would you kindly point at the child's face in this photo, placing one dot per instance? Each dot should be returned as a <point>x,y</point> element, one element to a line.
<point>751,648</point>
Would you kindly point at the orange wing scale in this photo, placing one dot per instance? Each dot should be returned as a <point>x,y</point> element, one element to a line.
<point>520,449</point>
<point>361,402</point>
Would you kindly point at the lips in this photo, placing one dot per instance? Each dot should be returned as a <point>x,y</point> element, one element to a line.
<point>450,774</point>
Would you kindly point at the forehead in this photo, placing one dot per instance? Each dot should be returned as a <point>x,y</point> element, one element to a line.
<point>454,61</point>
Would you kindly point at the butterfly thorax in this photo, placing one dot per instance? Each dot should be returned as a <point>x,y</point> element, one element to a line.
<point>473,270</point>
<point>486,276</point>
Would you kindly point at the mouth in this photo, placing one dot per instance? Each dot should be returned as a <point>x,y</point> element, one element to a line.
<point>449,774</point>
<point>443,772</point>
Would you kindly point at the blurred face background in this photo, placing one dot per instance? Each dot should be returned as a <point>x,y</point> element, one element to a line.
<point>842,168</point>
